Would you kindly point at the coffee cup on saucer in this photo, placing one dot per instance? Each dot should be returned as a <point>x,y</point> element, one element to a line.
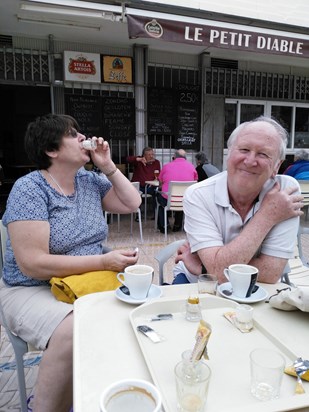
<point>242,278</point>
<point>138,279</point>
<point>131,395</point>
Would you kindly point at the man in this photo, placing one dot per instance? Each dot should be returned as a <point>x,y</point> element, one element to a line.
<point>247,214</point>
<point>144,168</point>
<point>179,170</point>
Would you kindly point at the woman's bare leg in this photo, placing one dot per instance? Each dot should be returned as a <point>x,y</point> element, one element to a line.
<point>54,388</point>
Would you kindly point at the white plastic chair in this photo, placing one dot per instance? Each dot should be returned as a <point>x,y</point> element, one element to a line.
<point>175,195</point>
<point>164,254</point>
<point>304,189</point>
<point>20,347</point>
<point>138,211</point>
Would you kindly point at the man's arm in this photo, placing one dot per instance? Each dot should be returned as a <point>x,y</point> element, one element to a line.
<point>270,267</point>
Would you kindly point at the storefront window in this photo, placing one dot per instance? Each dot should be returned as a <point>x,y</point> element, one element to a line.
<point>301,127</point>
<point>283,114</point>
<point>230,120</point>
<point>250,112</point>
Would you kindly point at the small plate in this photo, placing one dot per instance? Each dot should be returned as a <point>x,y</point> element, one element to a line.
<point>259,295</point>
<point>154,292</point>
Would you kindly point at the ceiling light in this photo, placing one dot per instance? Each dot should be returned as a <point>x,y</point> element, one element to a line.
<point>81,5</point>
<point>62,11</point>
<point>67,24</point>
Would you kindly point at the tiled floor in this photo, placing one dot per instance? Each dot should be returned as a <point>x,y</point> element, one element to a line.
<point>153,242</point>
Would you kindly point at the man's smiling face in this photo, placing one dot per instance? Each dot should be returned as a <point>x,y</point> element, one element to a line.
<point>254,156</point>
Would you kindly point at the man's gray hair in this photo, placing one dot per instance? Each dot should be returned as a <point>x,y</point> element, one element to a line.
<point>301,154</point>
<point>282,133</point>
<point>180,153</point>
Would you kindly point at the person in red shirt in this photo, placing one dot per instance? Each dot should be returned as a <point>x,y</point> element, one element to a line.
<point>179,170</point>
<point>144,167</point>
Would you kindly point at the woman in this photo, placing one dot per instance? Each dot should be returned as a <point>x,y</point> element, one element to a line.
<point>56,227</point>
<point>204,168</point>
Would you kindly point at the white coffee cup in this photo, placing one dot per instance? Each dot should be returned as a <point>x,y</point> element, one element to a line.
<point>242,278</point>
<point>131,395</point>
<point>138,279</point>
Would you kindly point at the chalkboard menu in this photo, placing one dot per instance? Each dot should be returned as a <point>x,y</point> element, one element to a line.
<point>176,112</point>
<point>188,116</point>
<point>118,118</point>
<point>161,111</point>
<point>86,110</point>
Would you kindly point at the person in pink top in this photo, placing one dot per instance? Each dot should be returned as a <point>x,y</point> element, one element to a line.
<point>179,170</point>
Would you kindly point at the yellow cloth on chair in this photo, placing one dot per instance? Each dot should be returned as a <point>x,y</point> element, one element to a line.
<point>72,287</point>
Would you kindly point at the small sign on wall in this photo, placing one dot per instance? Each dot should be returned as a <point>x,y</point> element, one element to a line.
<point>82,67</point>
<point>117,69</point>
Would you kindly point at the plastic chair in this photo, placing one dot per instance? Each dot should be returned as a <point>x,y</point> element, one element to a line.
<point>138,211</point>
<point>164,254</point>
<point>296,271</point>
<point>20,347</point>
<point>304,189</point>
<point>175,195</point>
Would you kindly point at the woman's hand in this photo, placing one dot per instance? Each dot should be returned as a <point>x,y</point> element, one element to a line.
<point>118,260</point>
<point>101,156</point>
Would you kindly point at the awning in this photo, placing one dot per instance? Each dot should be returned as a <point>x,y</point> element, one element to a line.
<point>211,34</point>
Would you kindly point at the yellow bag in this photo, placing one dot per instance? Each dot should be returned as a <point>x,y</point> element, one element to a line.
<point>72,287</point>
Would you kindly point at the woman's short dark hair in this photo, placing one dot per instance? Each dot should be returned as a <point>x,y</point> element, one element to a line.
<point>45,134</point>
<point>201,157</point>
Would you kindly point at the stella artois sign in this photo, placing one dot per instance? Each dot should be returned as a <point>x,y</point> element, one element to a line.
<point>82,67</point>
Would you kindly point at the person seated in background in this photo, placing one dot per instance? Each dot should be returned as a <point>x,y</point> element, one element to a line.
<point>300,168</point>
<point>56,227</point>
<point>247,214</point>
<point>204,168</point>
<point>179,170</point>
<point>144,170</point>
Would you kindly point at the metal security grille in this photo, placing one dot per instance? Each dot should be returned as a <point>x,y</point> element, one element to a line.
<point>262,85</point>
<point>30,66</point>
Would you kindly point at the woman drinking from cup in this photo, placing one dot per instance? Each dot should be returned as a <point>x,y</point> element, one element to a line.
<point>56,227</point>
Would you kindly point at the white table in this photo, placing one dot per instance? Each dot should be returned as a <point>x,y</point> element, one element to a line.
<point>154,183</point>
<point>106,349</point>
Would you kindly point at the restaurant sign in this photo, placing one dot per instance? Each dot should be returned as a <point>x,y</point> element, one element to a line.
<point>117,69</point>
<point>82,67</point>
<point>216,36</point>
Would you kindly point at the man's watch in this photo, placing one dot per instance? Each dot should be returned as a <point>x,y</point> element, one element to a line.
<point>204,270</point>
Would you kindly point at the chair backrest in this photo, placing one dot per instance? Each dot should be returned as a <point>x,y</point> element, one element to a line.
<point>3,238</point>
<point>136,185</point>
<point>176,191</point>
<point>304,188</point>
<point>164,254</point>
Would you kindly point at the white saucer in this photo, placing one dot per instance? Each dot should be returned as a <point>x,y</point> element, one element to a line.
<point>259,295</point>
<point>154,292</point>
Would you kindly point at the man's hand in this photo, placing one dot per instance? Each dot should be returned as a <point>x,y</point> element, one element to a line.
<point>142,160</point>
<point>191,261</point>
<point>279,205</point>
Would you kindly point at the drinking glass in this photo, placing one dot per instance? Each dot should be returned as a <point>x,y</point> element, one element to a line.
<point>267,368</point>
<point>192,382</point>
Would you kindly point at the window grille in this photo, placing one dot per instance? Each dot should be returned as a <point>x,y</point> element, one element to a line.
<point>251,84</point>
<point>24,65</point>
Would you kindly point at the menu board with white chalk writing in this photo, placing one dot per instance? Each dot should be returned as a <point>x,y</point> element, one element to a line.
<point>86,110</point>
<point>188,116</point>
<point>118,118</point>
<point>176,112</point>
